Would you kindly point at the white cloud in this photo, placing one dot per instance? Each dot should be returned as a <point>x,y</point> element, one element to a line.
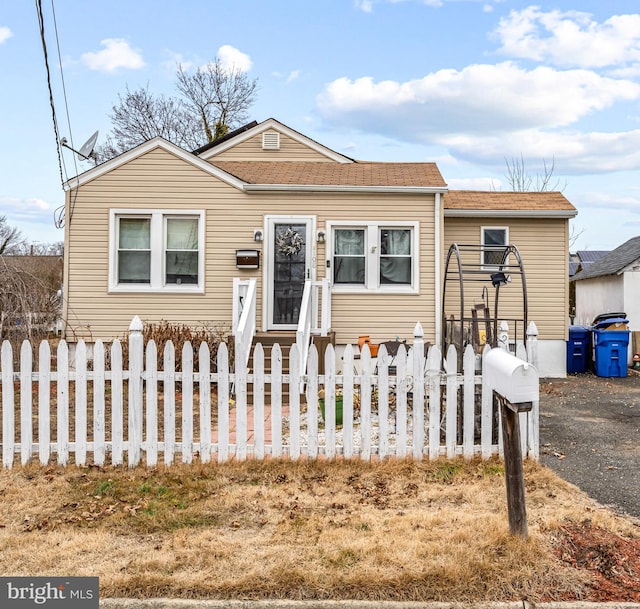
<point>116,54</point>
<point>572,153</point>
<point>288,78</point>
<point>486,113</point>
<point>366,6</point>
<point>477,99</point>
<point>570,38</point>
<point>29,204</point>
<point>28,210</point>
<point>175,59</point>
<point>610,201</point>
<point>5,33</point>
<point>293,75</point>
<point>233,59</point>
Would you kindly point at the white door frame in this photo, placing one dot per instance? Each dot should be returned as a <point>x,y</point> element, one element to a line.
<point>268,268</point>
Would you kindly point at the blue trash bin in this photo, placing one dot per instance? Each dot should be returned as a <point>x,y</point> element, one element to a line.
<point>578,349</point>
<point>611,352</point>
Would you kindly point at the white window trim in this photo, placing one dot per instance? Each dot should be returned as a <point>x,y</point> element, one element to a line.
<point>491,267</point>
<point>372,257</point>
<point>158,240</point>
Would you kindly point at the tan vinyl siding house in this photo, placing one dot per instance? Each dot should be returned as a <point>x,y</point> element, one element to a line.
<point>154,233</point>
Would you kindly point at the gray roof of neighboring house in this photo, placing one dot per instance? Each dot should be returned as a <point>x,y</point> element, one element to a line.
<point>589,256</point>
<point>613,262</point>
<point>583,258</point>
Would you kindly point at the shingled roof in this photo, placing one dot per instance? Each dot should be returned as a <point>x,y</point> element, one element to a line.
<point>614,262</point>
<point>506,201</point>
<point>335,174</point>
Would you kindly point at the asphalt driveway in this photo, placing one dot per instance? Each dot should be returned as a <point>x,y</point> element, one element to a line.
<point>590,436</point>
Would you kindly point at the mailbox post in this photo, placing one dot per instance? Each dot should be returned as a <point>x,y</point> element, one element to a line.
<point>517,386</point>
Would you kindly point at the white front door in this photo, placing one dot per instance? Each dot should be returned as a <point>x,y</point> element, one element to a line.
<point>289,250</point>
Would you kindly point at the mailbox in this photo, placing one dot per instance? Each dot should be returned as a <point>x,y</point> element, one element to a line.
<point>247,259</point>
<point>514,379</point>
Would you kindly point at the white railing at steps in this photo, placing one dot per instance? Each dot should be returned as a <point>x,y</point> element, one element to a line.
<point>315,316</point>
<point>244,314</point>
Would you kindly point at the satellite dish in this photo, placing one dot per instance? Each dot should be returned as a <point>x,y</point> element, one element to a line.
<point>86,150</point>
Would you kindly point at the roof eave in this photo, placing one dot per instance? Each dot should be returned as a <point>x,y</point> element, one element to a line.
<point>510,213</point>
<point>144,148</point>
<point>251,188</point>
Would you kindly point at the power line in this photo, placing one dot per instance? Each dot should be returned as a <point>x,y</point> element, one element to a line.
<point>64,88</point>
<point>51,102</point>
<point>59,212</point>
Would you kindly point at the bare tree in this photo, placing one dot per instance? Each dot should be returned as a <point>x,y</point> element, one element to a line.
<point>37,248</point>
<point>211,100</point>
<point>11,239</point>
<point>219,96</point>
<point>30,298</point>
<point>521,180</point>
<point>140,116</point>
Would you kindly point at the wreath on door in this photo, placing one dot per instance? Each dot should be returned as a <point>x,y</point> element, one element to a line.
<point>289,243</point>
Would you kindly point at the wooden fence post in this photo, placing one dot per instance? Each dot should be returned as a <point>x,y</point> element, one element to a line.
<point>513,470</point>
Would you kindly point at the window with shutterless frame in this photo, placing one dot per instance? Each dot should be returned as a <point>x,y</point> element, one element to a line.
<point>373,256</point>
<point>156,251</point>
<point>493,238</point>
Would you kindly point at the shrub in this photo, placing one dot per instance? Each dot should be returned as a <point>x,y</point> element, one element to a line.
<point>179,334</point>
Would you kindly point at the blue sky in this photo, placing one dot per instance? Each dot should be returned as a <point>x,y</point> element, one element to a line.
<point>465,83</point>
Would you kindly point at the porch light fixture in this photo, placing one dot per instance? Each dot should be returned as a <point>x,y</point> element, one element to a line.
<point>321,236</point>
<point>257,234</point>
<point>498,279</point>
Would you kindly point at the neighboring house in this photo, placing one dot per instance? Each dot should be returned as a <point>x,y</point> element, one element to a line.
<point>162,233</point>
<point>583,258</point>
<point>611,285</point>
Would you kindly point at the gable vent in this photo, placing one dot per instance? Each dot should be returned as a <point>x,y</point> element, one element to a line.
<point>271,140</point>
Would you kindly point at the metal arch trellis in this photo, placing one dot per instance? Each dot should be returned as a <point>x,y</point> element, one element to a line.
<point>466,264</point>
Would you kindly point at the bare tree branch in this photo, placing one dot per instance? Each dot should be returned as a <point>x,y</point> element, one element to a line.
<point>212,100</point>
<point>521,181</point>
<point>11,239</point>
<point>30,298</point>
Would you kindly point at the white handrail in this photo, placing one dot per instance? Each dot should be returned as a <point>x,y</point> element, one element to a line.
<point>315,307</point>
<point>244,315</point>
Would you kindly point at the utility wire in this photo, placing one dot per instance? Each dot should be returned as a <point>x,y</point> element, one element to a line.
<point>74,195</point>
<point>53,108</point>
<point>64,88</point>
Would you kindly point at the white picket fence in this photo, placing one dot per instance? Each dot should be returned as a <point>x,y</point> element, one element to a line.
<point>114,415</point>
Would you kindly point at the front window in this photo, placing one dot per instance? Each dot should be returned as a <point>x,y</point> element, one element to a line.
<point>156,251</point>
<point>181,254</point>
<point>395,256</point>
<point>373,256</point>
<point>134,250</point>
<point>349,256</point>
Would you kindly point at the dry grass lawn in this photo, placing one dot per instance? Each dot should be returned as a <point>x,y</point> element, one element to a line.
<point>397,530</point>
